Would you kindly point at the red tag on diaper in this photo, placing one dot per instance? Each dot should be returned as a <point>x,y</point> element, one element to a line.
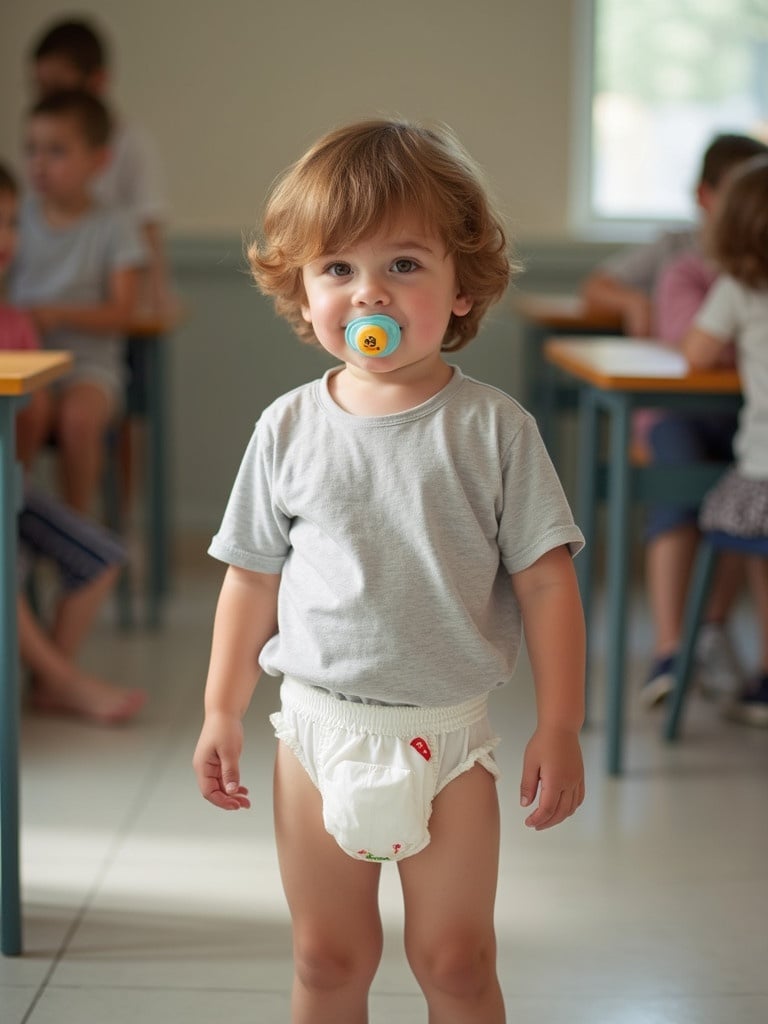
<point>421,747</point>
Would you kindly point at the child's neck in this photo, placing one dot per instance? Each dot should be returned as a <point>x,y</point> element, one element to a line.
<point>369,394</point>
<point>60,213</point>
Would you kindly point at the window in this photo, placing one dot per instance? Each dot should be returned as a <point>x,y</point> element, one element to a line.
<point>658,79</point>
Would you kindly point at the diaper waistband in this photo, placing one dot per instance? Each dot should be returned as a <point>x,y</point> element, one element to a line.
<point>381,720</point>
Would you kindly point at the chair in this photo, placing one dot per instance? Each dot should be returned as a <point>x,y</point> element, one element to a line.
<point>712,543</point>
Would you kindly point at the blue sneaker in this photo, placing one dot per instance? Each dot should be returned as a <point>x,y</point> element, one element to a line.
<point>752,707</point>
<point>660,681</point>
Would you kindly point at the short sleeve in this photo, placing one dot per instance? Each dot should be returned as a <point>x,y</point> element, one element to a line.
<point>719,316</point>
<point>254,532</point>
<point>536,517</point>
<point>128,249</point>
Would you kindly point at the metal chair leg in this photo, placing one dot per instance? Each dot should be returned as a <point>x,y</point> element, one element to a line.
<point>704,567</point>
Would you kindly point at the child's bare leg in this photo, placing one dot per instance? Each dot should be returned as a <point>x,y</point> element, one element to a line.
<point>77,609</point>
<point>669,558</point>
<point>33,426</point>
<point>449,890</point>
<point>61,686</point>
<point>333,900</point>
<point>85,413</point>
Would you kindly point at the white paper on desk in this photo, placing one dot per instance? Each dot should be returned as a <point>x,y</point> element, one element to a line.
<point>630,358</point>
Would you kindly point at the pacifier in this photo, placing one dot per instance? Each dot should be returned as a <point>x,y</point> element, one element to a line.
<point>374,335</point>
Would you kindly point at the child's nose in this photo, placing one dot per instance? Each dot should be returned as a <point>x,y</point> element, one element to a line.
<point>371,291</point>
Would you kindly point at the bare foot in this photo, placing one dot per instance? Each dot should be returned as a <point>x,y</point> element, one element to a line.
<point>87,697</point>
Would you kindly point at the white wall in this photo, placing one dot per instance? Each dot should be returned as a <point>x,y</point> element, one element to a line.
<point>233,90</point>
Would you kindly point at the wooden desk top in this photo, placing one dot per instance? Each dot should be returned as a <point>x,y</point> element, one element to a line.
<point>565,312</point>
<point>22,372</point>
<point>621,364</point>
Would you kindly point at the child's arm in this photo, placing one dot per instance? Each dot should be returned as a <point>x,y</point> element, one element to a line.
<point>246,617</point>
<point>633,305</point>
<point>702,349</point>
<point>553,621</point>
<point>114,314</point>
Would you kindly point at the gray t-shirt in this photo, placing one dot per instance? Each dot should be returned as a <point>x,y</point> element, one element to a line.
<point>72,266</point>
<point>395,536</point>
<point>133,177</point>
<point>733,311</point>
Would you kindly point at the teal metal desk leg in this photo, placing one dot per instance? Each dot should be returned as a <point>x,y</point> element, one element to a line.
<point>619,473</point>
<point>10,889</point>
<point>157,472</point>
<point>586,512</point>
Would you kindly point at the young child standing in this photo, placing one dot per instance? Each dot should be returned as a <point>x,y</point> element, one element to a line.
<point>87,557</point>
<point>394,528</point>
<point>76,274</point>
<point>737,307</point>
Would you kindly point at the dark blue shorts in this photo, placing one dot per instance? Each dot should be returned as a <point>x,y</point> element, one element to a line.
<point>80,548</point>
<point>679,439</point>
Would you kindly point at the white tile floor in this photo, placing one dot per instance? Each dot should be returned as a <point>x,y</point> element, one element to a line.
<point>143,903</point>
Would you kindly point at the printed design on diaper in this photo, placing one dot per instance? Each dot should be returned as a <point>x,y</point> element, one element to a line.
<point>421,746</point>
<point>396,847</point>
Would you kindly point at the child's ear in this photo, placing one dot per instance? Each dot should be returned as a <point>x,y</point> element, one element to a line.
<point>461,305</point>
<point>305,312</point>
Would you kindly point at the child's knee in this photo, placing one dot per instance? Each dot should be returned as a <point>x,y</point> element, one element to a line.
<point>323,965</point>
<point>461,965</point>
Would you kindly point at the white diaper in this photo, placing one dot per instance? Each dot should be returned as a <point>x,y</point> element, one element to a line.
<point>378,768</point>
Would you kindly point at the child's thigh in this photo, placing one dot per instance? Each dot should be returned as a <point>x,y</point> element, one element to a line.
<point>328,891</point>
<point>449,888</point>
<point>86,408</point>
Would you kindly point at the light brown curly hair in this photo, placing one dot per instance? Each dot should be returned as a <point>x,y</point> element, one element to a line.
<point>358,180</point>
<point>740,234</point>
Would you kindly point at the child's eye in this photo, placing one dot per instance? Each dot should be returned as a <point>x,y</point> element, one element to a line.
<point>404,265</point>
<point>338,269</point>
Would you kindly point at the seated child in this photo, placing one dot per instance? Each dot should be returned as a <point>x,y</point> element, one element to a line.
<point>72,54</point>
<point>737,308</point>
<point>76,274</point>
<point>679,438</point>
<point>627,281</point>
<point>88,558</point>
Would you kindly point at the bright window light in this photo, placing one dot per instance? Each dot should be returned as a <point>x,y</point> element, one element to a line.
<point>666,76</point>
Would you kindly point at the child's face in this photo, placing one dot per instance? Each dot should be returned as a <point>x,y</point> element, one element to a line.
<point>60,161</point>
<point>401,272</point>
<point>8,229</point>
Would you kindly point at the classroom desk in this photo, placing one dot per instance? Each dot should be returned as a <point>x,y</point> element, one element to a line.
<point>543,315</point>
<point>615,376</point>
<point>20,374</point>
<point>148,337</point>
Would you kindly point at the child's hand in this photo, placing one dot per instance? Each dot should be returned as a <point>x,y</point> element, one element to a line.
<point>552,764</point>
<point>217,762</point>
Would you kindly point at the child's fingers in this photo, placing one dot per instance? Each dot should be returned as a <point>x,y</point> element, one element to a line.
<point>233,795</point>
<point>529,782</point>
<point>555,807</point>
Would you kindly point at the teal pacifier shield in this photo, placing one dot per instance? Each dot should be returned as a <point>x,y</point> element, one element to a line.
<point>373,335</point>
